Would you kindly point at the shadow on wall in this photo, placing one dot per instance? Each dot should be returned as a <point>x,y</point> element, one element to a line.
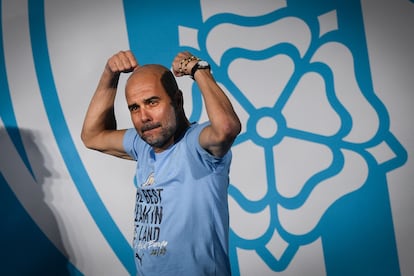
<point>30,237</point>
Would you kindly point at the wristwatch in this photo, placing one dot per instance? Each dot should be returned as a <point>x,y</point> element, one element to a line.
<point>202,64</point>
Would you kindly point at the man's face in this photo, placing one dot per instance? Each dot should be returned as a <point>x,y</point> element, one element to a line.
<point>151,109</point>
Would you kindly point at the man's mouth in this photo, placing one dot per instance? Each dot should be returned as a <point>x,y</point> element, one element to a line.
<point>150,127</point>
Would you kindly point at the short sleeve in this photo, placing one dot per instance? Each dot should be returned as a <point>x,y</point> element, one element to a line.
<point>129,142</point>
<point>213,163</point>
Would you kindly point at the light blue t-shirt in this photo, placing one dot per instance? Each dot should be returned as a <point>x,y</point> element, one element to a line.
<point>181,212</point>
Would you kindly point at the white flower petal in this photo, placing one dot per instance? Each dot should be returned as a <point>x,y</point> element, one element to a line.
<point>340,60</point>
<point>287,30</point>
<point>248,225</point>
<point>308,108</point>
<point>293,156</point>
<point>267,78</point>
<point>302,220</point>
<point>253,185</point>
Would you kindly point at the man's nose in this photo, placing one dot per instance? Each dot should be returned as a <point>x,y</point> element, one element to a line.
<point>145,115</point>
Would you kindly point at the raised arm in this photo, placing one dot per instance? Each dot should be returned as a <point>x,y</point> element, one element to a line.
<point>99,131</point>
<point>225,124</point>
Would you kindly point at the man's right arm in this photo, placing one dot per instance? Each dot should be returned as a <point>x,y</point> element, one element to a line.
<point>99,131</point>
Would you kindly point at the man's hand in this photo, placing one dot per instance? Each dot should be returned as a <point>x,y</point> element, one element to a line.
<point>183,63</point>
<point>122,62</point>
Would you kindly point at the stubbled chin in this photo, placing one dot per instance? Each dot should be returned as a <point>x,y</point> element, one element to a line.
<point>150,135</point>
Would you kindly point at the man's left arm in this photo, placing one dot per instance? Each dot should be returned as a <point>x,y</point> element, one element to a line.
<point>218,137</point>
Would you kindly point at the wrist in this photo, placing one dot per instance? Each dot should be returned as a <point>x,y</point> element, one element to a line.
<point>200,65</point>
<point>186,64</point>
<point>110,78</point>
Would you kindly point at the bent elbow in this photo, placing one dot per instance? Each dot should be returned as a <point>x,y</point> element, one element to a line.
<point>230,130</point>
<point>86,141</point>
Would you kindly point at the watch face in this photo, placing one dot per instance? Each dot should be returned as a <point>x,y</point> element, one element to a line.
<point>203,64</point>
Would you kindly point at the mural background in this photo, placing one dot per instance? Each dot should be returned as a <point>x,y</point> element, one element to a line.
<point>321,177</point>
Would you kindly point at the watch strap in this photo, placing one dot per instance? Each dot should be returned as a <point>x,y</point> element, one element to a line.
<point>198,66</point>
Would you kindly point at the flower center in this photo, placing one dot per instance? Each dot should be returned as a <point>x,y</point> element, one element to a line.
<point>266,127</point>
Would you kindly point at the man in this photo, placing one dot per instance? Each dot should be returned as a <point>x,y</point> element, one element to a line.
<point>181,212</point>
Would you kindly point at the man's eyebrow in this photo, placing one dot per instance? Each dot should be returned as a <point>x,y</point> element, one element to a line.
<point>151,99</point>
<point>146,101</point>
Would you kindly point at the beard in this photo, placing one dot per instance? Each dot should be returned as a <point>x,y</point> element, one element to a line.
<point>160,140</point>
<point>164,135</point>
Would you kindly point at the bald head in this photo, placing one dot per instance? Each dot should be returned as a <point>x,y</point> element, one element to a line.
<point>155,69</point>
<point>155,72</point>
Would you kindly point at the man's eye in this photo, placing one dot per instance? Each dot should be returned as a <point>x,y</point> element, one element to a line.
<point>133,108</point>
<point>153,102</point>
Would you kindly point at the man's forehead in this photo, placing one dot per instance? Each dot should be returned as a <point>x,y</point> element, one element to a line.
<point>144,87</point>
<point>145,75</point>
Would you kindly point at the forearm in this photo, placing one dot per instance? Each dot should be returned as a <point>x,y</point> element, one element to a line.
<point>100,115</point>
<point>225,124</point>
